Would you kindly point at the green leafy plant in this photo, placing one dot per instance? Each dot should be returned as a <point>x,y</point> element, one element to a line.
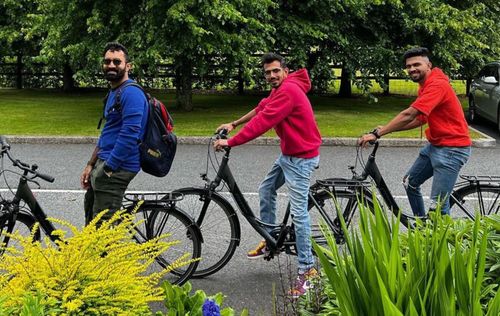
<point>97,271</point>
<point>434,269</point>
<point>180,301</point>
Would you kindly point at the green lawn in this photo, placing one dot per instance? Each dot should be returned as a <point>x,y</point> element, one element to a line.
<point>43,112</point>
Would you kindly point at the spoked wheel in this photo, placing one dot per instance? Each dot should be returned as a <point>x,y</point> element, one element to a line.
<point>467,201</point>
<point>219,226</point>
<point>23,225</point>
<point>344,200</point>
<point>158,221</point>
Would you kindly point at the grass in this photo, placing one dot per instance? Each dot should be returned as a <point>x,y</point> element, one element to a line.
<point>48,112</point>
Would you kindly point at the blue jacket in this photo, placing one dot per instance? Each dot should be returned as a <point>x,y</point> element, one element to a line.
<point>118,143</point>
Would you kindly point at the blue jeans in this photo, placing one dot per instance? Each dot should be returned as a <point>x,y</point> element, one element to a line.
<point>441,163</point>
<point>296,173</point>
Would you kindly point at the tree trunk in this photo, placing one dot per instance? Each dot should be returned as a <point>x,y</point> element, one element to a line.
<point>386,88</point>
<point>184,81</point>
<point>312,59</point>
<point>345,84</point>
<point>19,71</point>
<point>68,81</point>
<point>241,83</point>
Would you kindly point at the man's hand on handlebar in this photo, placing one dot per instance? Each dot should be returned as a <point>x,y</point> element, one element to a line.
<point>219,144</point>
<point>367,138</point>
<point>227,126</point>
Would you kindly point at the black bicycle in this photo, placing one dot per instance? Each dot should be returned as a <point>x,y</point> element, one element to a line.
<point>220,226</point>
<point>472,195</point>
<point>157,216</point>
<point>329,197</point>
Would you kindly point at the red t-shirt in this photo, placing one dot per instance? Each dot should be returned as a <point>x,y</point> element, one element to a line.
<point>442,111</point>
<point>289,111</point>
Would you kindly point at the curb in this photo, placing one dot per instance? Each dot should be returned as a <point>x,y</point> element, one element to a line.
<point>485,141</point>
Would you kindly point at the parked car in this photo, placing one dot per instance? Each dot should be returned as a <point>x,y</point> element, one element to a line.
<point>484,96</point>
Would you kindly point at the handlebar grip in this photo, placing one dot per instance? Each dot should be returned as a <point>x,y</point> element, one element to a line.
<point>3,142</point>
<point>46,177</point>
<point>222,133</point>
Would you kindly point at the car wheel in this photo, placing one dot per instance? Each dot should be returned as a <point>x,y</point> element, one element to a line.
<point>471,112</point>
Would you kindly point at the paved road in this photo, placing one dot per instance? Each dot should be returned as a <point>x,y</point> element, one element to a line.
<point>247,283</point>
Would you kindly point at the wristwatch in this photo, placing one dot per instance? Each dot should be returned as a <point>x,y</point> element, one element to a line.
<point>375,132</point>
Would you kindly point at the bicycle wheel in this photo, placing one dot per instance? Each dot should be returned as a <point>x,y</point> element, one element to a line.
<point>218,224</point>
<point>23,225</point>
<point>343,199</point>
<point>482,198</point>
<point>160,220</point>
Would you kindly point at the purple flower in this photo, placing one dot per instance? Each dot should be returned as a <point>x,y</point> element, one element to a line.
<point>210,308</point>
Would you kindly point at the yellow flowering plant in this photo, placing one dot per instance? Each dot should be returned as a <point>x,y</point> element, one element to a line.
<point>99,270</point>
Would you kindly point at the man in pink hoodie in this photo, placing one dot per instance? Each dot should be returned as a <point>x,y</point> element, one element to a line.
<point>288,110</point>
<point>448,134</point>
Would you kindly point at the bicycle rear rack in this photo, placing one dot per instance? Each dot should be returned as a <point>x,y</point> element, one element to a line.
<point>171,197</point>
<point>481,178</point>
<point>339,182</point>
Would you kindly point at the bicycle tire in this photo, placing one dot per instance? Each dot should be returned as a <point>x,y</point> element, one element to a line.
<point>24,225</point>
<point>466,201</point>
<point>346,199</point>
<point>158,220</point>
<point>220,227</point>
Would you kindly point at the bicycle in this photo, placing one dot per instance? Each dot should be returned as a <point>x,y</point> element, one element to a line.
<point>327,198</point>
<point>219,222</point>
<point>475,193</point>
<point>157,217</point>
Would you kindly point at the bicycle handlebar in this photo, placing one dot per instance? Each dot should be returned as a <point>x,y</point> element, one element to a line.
<point>221,134</point>
<point>4,143</point>
<point>22,165</point>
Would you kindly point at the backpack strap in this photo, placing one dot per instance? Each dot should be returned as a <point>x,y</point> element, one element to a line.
<point>117,105</point>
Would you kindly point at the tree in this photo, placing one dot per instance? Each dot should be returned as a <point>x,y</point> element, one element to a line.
<point>75,32</point>
<point>192,33</point>
<point>14,22</point>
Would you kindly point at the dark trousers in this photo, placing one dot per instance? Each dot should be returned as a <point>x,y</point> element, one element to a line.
<point>105,193</point>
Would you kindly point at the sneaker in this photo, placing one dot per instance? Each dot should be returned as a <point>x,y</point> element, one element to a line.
<point>303,283</point>
<point>258,252</point>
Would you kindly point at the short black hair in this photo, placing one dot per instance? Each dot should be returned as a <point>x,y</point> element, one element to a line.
<point>416,51</point>
<point>115,46</point>
<point>270,57</point>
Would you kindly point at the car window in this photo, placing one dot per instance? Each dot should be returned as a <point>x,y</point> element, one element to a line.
<point>489,71</point>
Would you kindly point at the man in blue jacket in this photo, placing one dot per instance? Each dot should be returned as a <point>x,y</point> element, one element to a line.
<point>115,160</point>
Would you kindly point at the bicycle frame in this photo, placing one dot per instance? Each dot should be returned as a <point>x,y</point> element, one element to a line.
<point>224,173</point>
<point>25,194</point>
<point>371,170</point>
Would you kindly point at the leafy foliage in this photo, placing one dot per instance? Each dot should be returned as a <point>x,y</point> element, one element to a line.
<point>180,301</point>
<point>438,268</point>
<point>97,271</point>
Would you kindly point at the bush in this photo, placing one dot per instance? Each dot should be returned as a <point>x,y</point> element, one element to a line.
<point>179,301</point>
<point>438,268</point>
<point>97,271</point>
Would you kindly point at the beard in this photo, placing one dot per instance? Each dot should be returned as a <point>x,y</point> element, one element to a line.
<point>417,77</point>
<point>114,75</point>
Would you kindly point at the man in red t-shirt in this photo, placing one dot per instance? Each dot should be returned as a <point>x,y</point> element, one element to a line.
<point>449,145</point>
<point>288,110</point>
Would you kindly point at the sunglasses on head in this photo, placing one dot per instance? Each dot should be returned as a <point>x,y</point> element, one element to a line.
<point>115,61</point>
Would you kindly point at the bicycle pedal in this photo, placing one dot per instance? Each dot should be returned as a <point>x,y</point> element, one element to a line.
<point>268,257</point>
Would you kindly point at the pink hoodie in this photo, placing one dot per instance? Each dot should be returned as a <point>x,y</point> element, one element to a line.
<point>289,111</point>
